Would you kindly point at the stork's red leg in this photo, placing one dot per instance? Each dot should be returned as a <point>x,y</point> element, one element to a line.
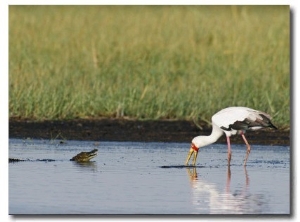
<point>229,149</point>
<point>248,148</point>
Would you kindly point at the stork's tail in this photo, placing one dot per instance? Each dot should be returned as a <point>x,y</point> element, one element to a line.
<point>271,125</point>
<point>266,122</point>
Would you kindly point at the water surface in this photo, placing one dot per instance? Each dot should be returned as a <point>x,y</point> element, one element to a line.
<point>147,178</point>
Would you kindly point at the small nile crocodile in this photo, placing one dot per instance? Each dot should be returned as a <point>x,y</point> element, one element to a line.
<point>85,156</point>
<point>80,157</point>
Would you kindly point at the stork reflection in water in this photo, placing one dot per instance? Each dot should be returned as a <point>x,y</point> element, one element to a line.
<point>207,197</point>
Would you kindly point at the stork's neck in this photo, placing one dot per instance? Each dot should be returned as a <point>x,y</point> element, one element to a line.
<point>201,141</point>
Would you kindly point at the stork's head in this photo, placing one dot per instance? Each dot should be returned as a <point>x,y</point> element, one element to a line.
<point>201,141</point>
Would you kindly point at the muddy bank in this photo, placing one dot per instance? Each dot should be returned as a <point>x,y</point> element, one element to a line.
<point>131,130</point>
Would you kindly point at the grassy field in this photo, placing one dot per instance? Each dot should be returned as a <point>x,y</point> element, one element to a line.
<point>148,62</point>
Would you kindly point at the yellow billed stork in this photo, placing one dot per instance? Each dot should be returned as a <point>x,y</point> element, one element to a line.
<point>231,121</point>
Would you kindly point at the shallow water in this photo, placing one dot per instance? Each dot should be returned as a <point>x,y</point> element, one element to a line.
<point>147,178</point>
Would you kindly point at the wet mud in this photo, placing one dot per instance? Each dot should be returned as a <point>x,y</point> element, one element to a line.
<point>132,130</point>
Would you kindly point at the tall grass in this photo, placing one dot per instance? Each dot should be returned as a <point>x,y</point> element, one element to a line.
<point>148,62</point>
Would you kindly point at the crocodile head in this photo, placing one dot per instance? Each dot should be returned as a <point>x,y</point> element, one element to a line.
<point>85,156</point>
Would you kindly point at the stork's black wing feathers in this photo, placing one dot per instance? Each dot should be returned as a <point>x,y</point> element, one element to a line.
<point>238,125</point>
<point>247,124</point>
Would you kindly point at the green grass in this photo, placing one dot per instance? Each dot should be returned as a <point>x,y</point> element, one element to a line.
<point>148,62</point>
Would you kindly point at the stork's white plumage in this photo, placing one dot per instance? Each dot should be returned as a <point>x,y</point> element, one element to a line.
<point>231,121</point>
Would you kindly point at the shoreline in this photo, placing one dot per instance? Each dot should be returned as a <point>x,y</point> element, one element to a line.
<point>132,130</point>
